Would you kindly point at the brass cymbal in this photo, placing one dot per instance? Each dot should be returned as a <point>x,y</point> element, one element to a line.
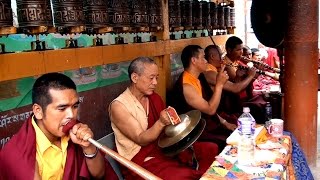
<point>174,133</point>
<point>187,141</point>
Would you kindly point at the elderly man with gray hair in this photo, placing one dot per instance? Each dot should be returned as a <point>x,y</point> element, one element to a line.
<point>138,117</point>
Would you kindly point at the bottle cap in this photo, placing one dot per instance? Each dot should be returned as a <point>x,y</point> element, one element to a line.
<point>246,109</point>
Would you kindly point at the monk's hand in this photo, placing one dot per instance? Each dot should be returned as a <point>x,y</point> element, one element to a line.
<point>222,76</point>
<point>164,118</point>
<point>241,72</point>
<point>252,72</point>
<point>230,126</point>
<point>80,133</point>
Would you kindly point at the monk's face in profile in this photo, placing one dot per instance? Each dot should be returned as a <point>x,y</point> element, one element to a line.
<point>215,58</point>
<point>200,62</point>
<point>147,80</point>
<point>247,53</point>
<point>256,56</point>
<point>63,108</point>
<point>236,53</point>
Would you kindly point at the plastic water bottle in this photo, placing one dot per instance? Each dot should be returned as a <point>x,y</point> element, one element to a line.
<point>246,143</point>
<point>246,123</point>
<point>268,110</point>
<point>246,149</point>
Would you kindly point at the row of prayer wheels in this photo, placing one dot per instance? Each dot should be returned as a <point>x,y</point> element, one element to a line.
<point>194,14</point>
<point>75,16</point>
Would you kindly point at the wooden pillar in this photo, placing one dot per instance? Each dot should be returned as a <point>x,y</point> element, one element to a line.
<point>164,61</point>
<point>301,79</point>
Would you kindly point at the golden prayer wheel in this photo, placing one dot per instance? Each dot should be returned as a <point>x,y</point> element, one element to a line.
<point>186,14</point>
<point>68,15</point>
<point>155,15</point>
<point>196,14</point>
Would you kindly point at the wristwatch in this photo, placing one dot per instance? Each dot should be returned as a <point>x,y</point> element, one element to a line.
<point>91,156</point>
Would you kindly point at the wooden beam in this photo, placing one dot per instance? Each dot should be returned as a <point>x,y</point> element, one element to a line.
<point>178,45</point>
<point>25,64</point>
<point>19,65</point>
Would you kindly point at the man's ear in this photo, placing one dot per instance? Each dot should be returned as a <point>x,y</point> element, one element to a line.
<point>193,60</point>
<point>134,77</point>
<point>228,51</point>
<point>37,111</point>
<point>211,56</point>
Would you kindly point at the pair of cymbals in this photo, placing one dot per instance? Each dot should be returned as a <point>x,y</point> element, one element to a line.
<point>177,138</point>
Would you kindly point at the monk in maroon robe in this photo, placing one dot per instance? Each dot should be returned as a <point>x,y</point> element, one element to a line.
<point>138,118</point>
<point>26,156</point>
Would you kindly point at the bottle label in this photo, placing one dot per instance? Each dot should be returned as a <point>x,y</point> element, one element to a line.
<point>246,126</point>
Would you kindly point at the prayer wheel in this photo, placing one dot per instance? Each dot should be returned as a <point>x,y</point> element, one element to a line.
<point>196,14</point>
<point>34,13</point>
<point>139,14</point>
<point>206,19</point>
<point>186,13</point>
<point>227,16</point>
<point>96,13</point>
<point>119,14</point>
<point>68,13</point>
<point>6,18</point>
<point>214,15</point>
<point>221,23</point>
<point>232,17</point>
<point>174,13</point>
<point>155,14</point>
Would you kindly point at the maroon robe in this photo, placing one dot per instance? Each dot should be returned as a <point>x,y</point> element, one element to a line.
<point>171,167</point>
<point>18,157</point>
<point>214,131</point>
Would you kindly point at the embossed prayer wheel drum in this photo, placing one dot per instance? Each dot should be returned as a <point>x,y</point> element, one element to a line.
<point>139,14</point>
<point>155,14</point>
<point>227,16</point>
<point>186,13</point>
<point>214,15</point>
<point>174,13</point>
<point>232,17</point>
<point>33,13</point>
<point>68,13</point>
<point>96,13</point>
<point>196,14</point>
<point>221,23</point>
<point>6,18</point>
<point>206,19</point>
<point>119,14</point>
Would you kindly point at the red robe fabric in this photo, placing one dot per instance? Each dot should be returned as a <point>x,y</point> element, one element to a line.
<point>18,157</point>
<point>171,167</point>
